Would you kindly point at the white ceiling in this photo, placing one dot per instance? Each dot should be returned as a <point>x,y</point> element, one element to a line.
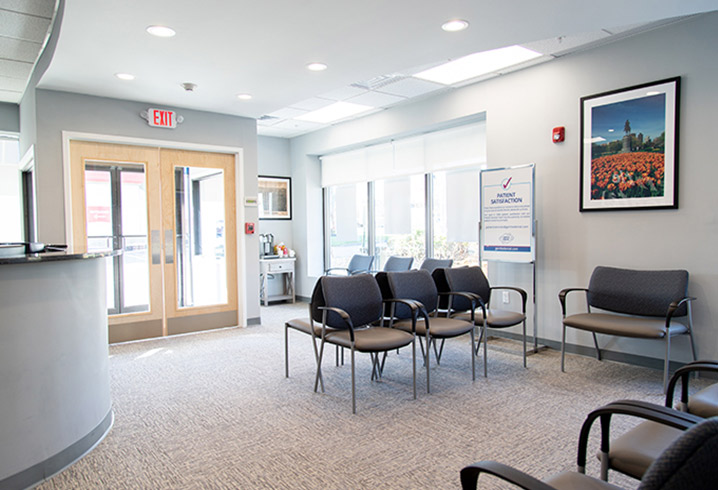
<point>262,47</point>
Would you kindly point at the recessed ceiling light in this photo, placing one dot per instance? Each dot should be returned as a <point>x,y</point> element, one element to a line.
<point>477,64</point>
<point>455,25</point>
<point>334,112</point>
<point>161,31</point>
<point>316,66</point>
<point>244,96</point>
<point>125,76</point>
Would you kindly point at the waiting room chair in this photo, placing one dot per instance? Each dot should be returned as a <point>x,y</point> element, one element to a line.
<point>688,463</point>
<point>634,451</point>
<point>398,264</point>
<point>417,287</point>
<point>352,307</point>
<point>358,264</point>
<point>430,265</point>
<point>472,280</point>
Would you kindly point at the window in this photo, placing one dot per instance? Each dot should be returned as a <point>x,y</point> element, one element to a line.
<point>412,197</point>
<point>346,222</point>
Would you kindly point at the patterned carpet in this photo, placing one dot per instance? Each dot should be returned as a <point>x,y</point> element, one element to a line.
<point>214,410</point>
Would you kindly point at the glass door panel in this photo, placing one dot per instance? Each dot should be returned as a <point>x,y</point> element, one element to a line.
<point>200,240</point>
<point>135,259</point>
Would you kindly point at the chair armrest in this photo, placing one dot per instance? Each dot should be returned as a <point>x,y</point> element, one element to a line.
<point>523,293</point>
<point>344,316</point>
<point>682,374</point>
<point>673,307</point>
<point>414,305</point>
<point>562,297</point>
<point>470,476</point>
<point>635,408</point>
<point>472,297</point>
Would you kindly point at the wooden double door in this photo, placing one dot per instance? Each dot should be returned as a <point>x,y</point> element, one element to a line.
<point>173,214</point>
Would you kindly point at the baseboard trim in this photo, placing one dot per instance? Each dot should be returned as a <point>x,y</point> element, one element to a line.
<point>45,470</point>
<point>254,321</point>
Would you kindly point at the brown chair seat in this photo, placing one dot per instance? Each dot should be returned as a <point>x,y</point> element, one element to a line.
<point>441,327</point>
<point>304,325</point>
<point>372,339</point>
<point>634,451</point>
<point>569,480</point>
<point>705,402</point>
<point>624,326</point>
<point>497,318</point>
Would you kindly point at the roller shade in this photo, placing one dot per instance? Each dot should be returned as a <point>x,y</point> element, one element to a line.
<point>440,150</point>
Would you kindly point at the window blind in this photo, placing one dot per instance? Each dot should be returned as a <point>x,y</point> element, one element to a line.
<point>440,150</point>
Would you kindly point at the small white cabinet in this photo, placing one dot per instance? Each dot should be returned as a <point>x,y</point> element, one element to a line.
<point>283,270</point>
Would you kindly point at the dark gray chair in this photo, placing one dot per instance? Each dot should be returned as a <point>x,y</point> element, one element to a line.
<point>352,307</point>
<point>430,265</point>
<point>358,264</point>
<point>688,463</point>
<point>634,451</point>
<point>653,299</point>
<point>398,264</point>
<point>472,280</point>
<point>417,287</point>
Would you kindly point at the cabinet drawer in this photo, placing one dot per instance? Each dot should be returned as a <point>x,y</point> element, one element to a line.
<point>281,266</point>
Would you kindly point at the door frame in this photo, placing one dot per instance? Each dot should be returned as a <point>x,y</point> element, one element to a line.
<point>68,136</point>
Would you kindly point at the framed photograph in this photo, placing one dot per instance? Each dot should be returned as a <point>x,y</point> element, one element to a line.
<point>629,148</point>
<point>274,197</point>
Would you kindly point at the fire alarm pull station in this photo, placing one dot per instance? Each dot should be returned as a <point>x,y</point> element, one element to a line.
<point>249,228</point>
<point>559,133</point>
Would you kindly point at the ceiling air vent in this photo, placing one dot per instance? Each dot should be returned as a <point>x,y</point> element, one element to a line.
<point>380,81</point>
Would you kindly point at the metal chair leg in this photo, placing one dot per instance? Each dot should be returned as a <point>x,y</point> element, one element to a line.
<point>427,362</point>
<point>595,342</point>
<point>524,324</point>
<point>286,351</point>
<point>473,358</point>
<point>354,402</point>
<point>318,378</point>
<point>666,361</point>
<point>563,348</point>
<point>486,344</point>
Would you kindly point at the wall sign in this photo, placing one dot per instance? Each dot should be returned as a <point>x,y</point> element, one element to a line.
<point>507,214</point>
<point>161,118</point>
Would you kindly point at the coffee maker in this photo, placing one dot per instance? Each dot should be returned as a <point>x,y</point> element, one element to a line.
<point>266,244</point>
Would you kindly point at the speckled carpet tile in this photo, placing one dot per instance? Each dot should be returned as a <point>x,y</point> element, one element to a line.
<point>215,411</point>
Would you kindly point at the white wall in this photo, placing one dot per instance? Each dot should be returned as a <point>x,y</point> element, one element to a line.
<point>521,109</point>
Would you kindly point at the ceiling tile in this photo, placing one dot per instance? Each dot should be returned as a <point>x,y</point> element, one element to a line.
<point>19,50</point>
<point>41,8</point>
<point>21,26</point>
<point>312,104</point>
<point>287,113</point>
<point>10,96</point>
<point>376,99</point>
<point>411,87</point>
<point>344,93</point>
<point>15,69</point>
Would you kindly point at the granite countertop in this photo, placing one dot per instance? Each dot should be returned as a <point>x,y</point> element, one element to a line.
<point>56,256</point>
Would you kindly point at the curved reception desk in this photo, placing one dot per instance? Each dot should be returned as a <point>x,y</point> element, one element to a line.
<point>54,379</point>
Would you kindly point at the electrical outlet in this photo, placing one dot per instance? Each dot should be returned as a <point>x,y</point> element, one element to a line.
<point>505,297</point>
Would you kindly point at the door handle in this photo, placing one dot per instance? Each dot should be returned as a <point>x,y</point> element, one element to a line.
<point>169,247</point>
<point>156,244</point>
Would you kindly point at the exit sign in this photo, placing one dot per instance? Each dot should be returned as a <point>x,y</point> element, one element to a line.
<point>161,118</point>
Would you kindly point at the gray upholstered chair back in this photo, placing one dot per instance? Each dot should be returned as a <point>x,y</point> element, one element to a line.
<point>397,264</point>
<point>430,265</point>
<point>645,293</point>
<point>688,463</point>
<point>360,263</point>
<point>415,284</point>
<point>358,295</point>
<point>467,280</point>
<point>316,302</point>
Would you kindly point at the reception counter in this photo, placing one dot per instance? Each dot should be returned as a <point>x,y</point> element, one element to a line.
<point>54,379</point>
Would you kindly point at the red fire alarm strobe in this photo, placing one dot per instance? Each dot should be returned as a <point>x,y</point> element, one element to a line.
<point>161,118</point>
<point>559,133</point>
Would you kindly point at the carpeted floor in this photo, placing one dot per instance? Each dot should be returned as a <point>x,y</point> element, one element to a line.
<point>214,410</point>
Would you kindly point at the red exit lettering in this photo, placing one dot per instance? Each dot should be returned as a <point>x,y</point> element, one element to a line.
<point>161,118</point>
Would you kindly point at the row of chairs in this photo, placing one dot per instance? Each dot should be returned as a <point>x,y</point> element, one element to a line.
<point>387,311</point>
<point>669,449</point>
<point>361,264</point>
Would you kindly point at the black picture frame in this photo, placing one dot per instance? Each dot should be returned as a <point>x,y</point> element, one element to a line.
<point>274,197</point>
<point>630,165</point>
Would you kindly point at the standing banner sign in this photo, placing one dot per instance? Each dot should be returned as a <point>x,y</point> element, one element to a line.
<point>507,231</point>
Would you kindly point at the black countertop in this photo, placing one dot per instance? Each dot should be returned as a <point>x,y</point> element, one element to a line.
<point>56,256</point>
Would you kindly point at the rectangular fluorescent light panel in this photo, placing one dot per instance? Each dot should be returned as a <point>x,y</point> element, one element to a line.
<point>477,64</point>
<point>334,112</point>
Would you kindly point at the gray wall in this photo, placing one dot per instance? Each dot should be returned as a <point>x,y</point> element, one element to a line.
<point>62,111</point>
<point>9,117</point>
<point>521,109</point>
<point>273,159</point>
